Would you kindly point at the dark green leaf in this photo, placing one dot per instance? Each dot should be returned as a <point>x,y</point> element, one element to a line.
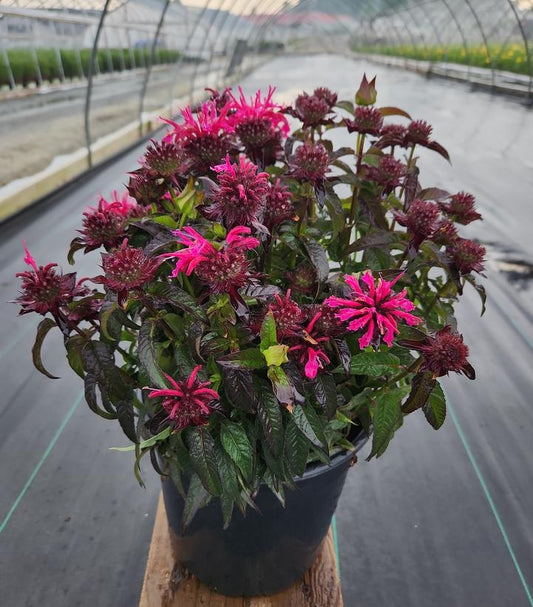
<point>325,390</point>
<point>147,354</point>
<point>237,445</point>
<point>269,413</point>
<point>421,387</point>
<point>181,299</point>
<point>377,238</point>
<point>203,459</point>
<point>435,408</point>
<point>239,389</point>
<point>44,326</point>
<point>75,246</point>
<point>268,331</point>
<point>251,358</point>
<point>373,363</point>
<point>74,346</point>
<point>345,105</point>
<point>126,417</point>
<point>197,497</point>
<point>230,484</point>
<point>309,424</point>
<point>387,419</point>
<point>480,291</point>
<point>318,257</point>
<point>296,448</point>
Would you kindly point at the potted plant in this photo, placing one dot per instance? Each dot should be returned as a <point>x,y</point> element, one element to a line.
<point>266,303</point>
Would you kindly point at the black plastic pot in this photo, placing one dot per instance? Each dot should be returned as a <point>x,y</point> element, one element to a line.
<point>267,551</point>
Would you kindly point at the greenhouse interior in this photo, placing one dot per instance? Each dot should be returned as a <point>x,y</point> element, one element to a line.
<point>274,208</point>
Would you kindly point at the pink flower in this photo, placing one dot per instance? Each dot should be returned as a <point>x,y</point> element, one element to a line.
<point>258,109</point>
<point>203,139</point>
<point>223,270</point>
<point>310,354</point>
<point>104,225</point>
<point>44,289</point>
<point>374,306</point>
<point>239,198</point>
<point>188,402</point>
<point>126,269</point>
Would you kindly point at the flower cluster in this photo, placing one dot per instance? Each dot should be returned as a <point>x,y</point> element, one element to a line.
<point>309,290</point>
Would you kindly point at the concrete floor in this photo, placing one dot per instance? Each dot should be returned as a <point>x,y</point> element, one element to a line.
<point>442,519</point>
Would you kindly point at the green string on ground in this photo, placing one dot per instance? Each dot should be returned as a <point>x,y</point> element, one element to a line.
<point>336,544</point>
<point>41,461</point>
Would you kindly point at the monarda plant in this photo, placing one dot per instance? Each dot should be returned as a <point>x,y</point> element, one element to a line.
<point>265,296</point>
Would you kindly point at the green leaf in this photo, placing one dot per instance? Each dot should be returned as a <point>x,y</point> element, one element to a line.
<point>197,497</point>
<point>435,408</point>
<point>268,332</point>
<point>147,354</point>
<point>181,299</point>
<point>373,363</point>
<point>421,387</point>
<point>44,326</point>
<point>296,448</point>
<point>203,459</point>
<point>276,355</point>
<point>237,445</point>
<point>480,291</point>
<point>346,105</point>
<point>74,346</point>
<point>319,258</point>
<point>230,485</point>
<point>281,385</point>
<point>309,424</point>
<point>269,413</point>
<point>251,358</point>
<point>148,443</point>
<point>387,419</point>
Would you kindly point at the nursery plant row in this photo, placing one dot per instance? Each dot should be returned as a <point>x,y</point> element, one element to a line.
<point>509,57</point>
<point>35,66</point>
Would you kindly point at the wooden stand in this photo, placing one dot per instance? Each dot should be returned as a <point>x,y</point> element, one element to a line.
<point>167,585</point>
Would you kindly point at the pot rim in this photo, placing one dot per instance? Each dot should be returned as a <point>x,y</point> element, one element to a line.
<point>339,459</point>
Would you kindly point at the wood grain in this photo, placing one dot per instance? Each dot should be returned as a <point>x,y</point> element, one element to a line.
<point>167,585</point>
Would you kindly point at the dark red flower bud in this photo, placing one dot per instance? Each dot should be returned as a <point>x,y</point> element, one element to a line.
<point>287,314</point>
<point>421,220</point>
<point>419,131</point>
<point>467,255</point>
<point>366,120</point>
<point>392,135</point>
<point>278,205</point>
<point>310,162</point>
<point>460,208</point>
<point>388,173</point>
<point>310,109</point>
<point>163,158</point>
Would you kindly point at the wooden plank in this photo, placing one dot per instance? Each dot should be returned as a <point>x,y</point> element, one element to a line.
<point>166,585</point>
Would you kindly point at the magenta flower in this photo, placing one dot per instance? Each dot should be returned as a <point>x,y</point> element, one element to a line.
<point>258,109</point>
<point>203,138</point>
<point>188,402</point>
<point>375,307</point>
<point>104,225</point>
<point>44,289</point>
<point>310,354</point>
<point>223,270</point>
<point>240,196</point>
<point>126,269</point>
<point>443,352</point>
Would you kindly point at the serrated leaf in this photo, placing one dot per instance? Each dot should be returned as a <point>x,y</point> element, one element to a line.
<point>203,459</point>
<point>237,445</point>
<point>197,497</point>
<point>260,292</point>
<point>373,363</point>
<point>230,484</point>
<point>181,299</point>
<point>421,387</point>
<point>238,387</point>
<point>269,414</point>
<point>306,420</point>
<point>387,419</point>
<point>319,259</point>
<point>251,358</point>
<point>435,408</point>
<point>268,332</point>
<point>325,390</point>
<point>147,354</point>
<point>296,448</point>
<point>42,330</point>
